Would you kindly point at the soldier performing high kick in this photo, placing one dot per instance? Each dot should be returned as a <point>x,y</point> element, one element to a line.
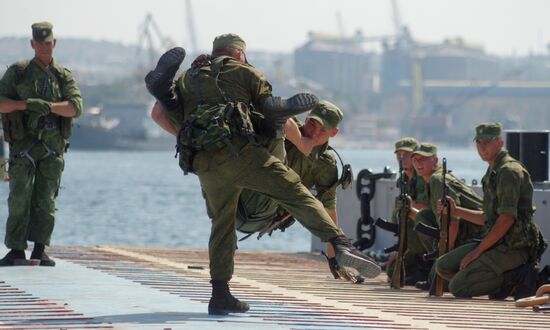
<point>217,104</point>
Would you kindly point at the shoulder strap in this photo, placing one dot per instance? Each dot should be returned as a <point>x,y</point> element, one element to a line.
<point>215,69</point>
<point>346,177</point>
<point>217,66</point>
<point>21,70</point>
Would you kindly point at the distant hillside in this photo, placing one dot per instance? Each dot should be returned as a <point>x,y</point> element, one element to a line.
<point>92,61</point>
<point>112,73</point>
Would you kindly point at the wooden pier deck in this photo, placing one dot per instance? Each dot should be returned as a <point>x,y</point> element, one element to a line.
<point>153,288</point>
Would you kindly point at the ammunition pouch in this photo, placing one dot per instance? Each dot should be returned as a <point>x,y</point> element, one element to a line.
<point>185,157</point>
<point>14,126</point>
<point>212,127</point>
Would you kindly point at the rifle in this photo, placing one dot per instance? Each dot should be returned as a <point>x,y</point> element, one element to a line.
<point>436,288</point>
<point>398,276</point>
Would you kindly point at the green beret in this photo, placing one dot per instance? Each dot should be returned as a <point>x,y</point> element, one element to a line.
<point>488,131</point>
<point>426,150</point>
<point>406,144</point>
<point>229,40</point>
<point>327,114</point>
<point>42,31</point>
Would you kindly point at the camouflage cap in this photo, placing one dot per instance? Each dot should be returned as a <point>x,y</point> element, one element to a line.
<point>327,114</point>
<point>488,131</point>
<point>426,150</point>
<point>406,144</point>
<point>42,31</point>
<point>228,40</point>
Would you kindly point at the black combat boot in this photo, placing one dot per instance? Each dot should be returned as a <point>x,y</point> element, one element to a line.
<point>39,254</point>
<point>348,256</point>
<point>277,109</point>
<point>520,282</point>
<point>527,286</point>
<point>421,273</point>
<point>222,301</point>
<point>10,257</point>
<point>159,82</point>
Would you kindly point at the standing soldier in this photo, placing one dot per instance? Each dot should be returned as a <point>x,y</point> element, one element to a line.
<point>503,263</point>
<point>38,99</point>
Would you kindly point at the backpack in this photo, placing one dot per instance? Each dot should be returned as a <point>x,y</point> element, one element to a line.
<point>212,126</point>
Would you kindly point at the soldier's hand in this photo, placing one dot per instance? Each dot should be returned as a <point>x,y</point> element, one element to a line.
<point>342,273</point>
<point>201,60</point>
<point>473,255</point>
<point>39,106</point>
<point>401,202</point>
<point>450,202</point>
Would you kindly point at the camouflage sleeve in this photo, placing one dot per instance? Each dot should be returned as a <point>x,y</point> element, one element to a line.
<point>508,191</point>
<point>7,84</point>
<point>326,174</point>
<point>259,87</point>
<point>71,92</point>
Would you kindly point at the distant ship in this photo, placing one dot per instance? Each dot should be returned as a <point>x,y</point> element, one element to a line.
<point>94,131</point>
<point>129,129</point>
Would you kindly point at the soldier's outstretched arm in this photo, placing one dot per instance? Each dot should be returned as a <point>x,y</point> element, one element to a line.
<point>293,134</point>
<point>160,118</point>
<point>476,217</point>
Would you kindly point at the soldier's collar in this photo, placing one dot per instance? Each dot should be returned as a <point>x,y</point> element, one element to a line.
<point>318,151</point>
<point>500,158</point>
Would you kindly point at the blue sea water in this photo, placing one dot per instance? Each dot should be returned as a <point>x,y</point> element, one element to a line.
<point>143,199</point>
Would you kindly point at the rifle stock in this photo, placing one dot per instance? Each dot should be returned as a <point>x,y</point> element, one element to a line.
<point>443,247</point>
<point>387,225</point>
<point>398,276</point>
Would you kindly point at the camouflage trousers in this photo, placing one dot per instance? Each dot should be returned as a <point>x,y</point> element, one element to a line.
<point>256,210</point>
<point>31,202</point>
<point>482,276</point>
<point>224,175</point>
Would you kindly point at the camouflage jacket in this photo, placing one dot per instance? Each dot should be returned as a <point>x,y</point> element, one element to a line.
<point>507,189</point>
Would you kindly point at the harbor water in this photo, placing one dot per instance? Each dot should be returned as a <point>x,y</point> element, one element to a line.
<point>143,199</point>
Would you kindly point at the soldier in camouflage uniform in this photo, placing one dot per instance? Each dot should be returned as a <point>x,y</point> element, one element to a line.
<point>425,162</point>
<point>415,268</point>
<point>38,99</point>
<point>230,164</point>
<point>503,263</point>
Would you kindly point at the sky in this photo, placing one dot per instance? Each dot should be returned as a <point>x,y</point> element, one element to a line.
<point>504,27</point>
